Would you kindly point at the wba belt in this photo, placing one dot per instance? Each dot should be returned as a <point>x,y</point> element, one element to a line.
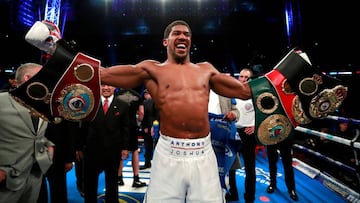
<point>68,86</point>
<point>271,123</point>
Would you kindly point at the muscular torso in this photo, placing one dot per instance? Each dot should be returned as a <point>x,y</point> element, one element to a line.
<point>181,93</point>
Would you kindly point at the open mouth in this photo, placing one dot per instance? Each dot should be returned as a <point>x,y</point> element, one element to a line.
<point>181,46</point>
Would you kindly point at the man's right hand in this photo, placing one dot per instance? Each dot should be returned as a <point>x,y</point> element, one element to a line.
<point>44,36</point>
<point>249,130</point>
<point>124,154</point>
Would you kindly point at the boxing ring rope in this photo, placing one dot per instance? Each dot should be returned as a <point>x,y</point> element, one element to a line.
<point>351,143</point>
<point>339,118</point>
<point>354,144</point>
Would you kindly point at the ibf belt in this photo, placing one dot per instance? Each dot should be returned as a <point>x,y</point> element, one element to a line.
<point>76,95</point>
<point>319,94</point>
<point>272,125</point>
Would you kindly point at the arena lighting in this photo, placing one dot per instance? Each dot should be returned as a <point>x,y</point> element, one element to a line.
<point>339,73</point>
<point>26,13</point>
<point>9,70</point>
<point>52,11</point>
<point>345,73</point>
<point>289,20</point>
<point>188,8</point>
<point>165,1</point>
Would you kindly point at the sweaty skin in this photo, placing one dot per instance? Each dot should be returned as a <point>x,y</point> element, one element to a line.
<point>180,89</point>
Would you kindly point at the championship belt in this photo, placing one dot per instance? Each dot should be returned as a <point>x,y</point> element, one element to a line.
<point>271,123</point>
<point>67,87</point>
<point>288,99</point>
<point>320,95</point>
<point>292,94</point>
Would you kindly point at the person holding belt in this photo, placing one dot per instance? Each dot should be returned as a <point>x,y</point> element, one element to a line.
<point>25,153</point>
<point>246,127</point>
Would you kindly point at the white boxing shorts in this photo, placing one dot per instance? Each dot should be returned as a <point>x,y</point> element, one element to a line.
<point>184,170</point>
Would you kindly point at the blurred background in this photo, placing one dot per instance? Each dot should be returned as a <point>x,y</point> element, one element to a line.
<point>231,34</point>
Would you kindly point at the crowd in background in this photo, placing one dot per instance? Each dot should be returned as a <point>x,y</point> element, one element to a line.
<point>337,159</point>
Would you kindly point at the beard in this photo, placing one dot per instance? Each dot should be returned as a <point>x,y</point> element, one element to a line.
<point>180,59</point>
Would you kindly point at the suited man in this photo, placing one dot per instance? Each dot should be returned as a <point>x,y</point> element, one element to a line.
<point>108,135</point>
<point>283,149</point>
<point>150,114</point>
<point>25,153</point>
<point>63,136</point>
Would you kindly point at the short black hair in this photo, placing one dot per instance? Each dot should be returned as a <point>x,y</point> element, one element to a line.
<point>172,24</point>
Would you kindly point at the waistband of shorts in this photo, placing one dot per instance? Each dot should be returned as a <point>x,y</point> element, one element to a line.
<point>178,147</point>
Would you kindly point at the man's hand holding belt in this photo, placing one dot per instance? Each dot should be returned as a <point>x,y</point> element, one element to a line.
<point>68,86</point>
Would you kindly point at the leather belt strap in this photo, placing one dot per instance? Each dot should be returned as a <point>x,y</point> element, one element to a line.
<point>68,86</point>
<point>271,123</point>
<point>319,94</point>
<point>77,94</point>
<point>287,97</point>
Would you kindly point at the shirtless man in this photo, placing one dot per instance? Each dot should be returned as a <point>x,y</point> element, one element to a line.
<point>184,164</point>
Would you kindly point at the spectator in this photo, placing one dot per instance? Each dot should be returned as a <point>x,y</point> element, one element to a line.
<point>62,135</point>
<point>246,129</point>
<point>285,149</point>
<point>80,140</point>
<point>11,83</point>
<point>348,155</point>
<point>106,143</point>
<point>25,153</point>
<point>136,114</point>
<point>150,115</point>
<point>225,108</point>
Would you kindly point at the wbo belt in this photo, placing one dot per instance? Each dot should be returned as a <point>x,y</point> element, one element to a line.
<point>67,87</point>
<point>293,93</point>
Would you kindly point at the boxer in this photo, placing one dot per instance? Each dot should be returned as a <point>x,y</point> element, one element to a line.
<point>292,94</point>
